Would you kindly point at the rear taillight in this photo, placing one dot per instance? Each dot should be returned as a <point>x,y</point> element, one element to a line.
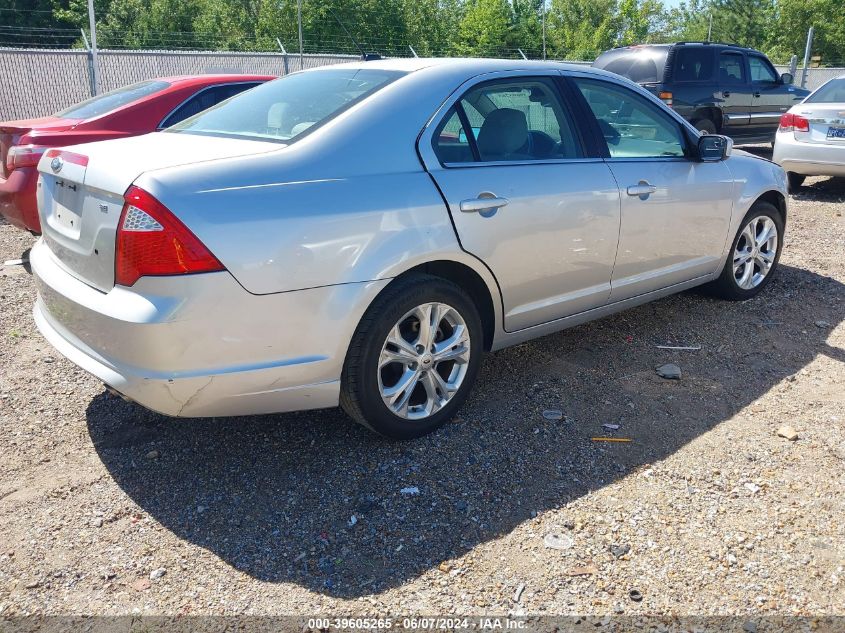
<point>24,156</point>
<point>665,97</point>
<point>793,122</point>
<point>152,241</point>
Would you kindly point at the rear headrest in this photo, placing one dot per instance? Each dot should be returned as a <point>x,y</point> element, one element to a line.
<point>503,132</point>
<point>275,115</point>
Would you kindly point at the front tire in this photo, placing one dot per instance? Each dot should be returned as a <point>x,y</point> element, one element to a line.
<point>754,255</point>
<point>413,359</point>
<point>705,126</point>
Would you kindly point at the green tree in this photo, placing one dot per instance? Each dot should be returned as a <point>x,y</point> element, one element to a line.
<point>640,21</point>
<point>744,22</point>
<point>828,19</point>
<point>485,28</point>
<point>581,29</point>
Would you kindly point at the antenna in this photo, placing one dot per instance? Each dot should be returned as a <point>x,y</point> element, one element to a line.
<point>364,55</point>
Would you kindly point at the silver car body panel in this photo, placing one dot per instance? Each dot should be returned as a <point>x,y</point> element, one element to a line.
<point>80,205</point>
<point>310,233</point>
<point>167,339</point>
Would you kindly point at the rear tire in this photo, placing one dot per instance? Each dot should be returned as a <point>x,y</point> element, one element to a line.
<point>795,181</point>
<point>754,255</point>
<point>404,379</point>
<point>706,126</point>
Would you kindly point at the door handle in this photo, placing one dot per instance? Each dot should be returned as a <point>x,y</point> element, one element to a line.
<point>726,93</point>
<point>757,94</point>
<point>643,189</point>
<point>483,203</point>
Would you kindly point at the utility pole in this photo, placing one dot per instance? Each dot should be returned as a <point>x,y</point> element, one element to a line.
<point>807,51</point>
<point>710,29</point>
<point>544,28</point>
<point>95,75</point>
<point>299,24</point>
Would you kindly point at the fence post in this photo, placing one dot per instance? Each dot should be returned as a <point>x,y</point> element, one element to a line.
<point>90,58</point>
<point>284,55</point>
<point>793,65</point>
<point>807,56</point>
<point>92,22</point>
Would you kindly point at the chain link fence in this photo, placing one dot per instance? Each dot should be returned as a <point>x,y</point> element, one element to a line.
<point>37,82</point>
<point>41,82</point>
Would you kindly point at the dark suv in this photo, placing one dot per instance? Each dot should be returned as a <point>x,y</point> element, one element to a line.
<point>719,88</point>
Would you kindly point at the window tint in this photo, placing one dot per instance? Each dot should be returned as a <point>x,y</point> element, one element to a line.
<point>204,99</point>
<point>101,104</point>
<point>632,126</point>
<point>694,63</point>
<point>832,92</point>
<point>761,70</point>
<point>731,68</point>
<point>451,143</point>
<point>509,121</point>
<point>287,108</point>
<point>641,65</point>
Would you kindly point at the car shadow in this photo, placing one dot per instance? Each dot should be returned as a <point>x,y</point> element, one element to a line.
<point>275,496</point>
<point>821,190</point>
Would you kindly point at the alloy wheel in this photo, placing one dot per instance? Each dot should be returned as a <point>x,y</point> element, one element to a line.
<point>755,252</point>
<point>423,361</point>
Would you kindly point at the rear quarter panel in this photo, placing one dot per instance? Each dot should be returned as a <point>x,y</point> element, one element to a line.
<point>302,232</point>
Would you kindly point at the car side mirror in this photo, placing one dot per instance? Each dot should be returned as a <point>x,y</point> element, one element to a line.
<point>787,79</point>
<point>714,147</point>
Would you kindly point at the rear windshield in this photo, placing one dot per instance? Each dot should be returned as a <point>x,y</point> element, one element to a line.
<point>832,92</point>
<point>288,108</point>
<point>101,104</point>
<point>643,66</point>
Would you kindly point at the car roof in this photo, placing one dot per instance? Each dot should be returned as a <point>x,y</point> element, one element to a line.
<point>469,65</point>
<point>685,43</point>
<point>212,78</point>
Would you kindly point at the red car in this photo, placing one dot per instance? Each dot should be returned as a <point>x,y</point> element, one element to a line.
<point>129,111</point>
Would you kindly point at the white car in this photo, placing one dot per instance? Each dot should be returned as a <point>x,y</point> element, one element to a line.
<point>811,138</point>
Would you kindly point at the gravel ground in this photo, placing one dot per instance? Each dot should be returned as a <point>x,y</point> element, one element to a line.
<point>106,508</point>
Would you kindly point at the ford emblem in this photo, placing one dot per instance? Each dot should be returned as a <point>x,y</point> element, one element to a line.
<point>56,164</point>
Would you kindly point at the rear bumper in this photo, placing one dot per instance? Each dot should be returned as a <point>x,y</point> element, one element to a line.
<point>809,159</point>
<point>17,199</point>
<point>200,345</point>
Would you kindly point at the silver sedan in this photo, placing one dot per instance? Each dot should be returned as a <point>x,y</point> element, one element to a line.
<point>362,234</point>
<point>811,138</point>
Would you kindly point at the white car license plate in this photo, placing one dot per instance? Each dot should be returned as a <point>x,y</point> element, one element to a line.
<point>836,132</point>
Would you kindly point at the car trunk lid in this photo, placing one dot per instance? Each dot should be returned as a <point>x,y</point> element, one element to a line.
<point>80,192</point>
<point>826,123</point>
<point>11,133</point>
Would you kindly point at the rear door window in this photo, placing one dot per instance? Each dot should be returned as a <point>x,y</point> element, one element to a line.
<point>508,120</point>
<point>731,68</point>
<point>204,99</point>
<point>694,63</point>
